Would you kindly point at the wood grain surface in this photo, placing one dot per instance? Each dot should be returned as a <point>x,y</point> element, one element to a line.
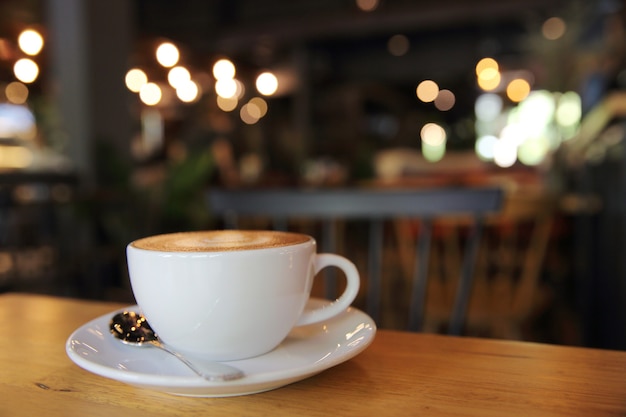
<point>400,374</point>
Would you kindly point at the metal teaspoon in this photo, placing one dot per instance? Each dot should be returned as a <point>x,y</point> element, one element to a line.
<point>133,329</point>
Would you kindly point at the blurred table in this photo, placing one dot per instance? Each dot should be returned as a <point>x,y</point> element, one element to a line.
<point>399,374</point>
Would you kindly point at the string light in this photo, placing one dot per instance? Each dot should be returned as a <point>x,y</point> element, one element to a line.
<point>26,70</point>
<point>30,42</point>
<point>267,83</point>
<point>167,54</point>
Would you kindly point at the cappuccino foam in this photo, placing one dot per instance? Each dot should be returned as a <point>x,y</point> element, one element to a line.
<point>219,240</point>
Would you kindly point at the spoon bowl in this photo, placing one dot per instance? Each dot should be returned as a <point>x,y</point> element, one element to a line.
<point>133,329</point>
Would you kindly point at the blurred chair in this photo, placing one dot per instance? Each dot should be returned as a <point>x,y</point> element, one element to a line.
<point>511,264</point>
<point>507,286</point>
<point>376,208</point>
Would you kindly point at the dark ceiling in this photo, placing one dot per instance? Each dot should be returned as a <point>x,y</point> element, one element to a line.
<point>234,25</point>
<point>447,36</point>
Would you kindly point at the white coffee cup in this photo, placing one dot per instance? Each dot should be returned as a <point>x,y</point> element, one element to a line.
<point>231,294</point>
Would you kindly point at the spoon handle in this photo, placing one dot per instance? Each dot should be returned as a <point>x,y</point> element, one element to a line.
<point>209,370</point>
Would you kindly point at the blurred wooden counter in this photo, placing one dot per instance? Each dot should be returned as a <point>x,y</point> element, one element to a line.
<point>400,374</point>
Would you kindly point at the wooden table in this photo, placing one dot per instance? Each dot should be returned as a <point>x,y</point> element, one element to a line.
<point>400,374</point>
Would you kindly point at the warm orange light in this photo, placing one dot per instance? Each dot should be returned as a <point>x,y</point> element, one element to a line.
<point>553,28</point>
<point>249,114</point>
<point>267,83</point>
<point>223,68</point>
<point>30,42</point>
<point>178,76</point>
<point>167,54</point>
<point>260,104</point>
<point>518,90</point>
<point>26,70</point>
<point>226,87</point>
<point>489,79</point>
<point>486,63</point>
<point>227,104</point>
<point>367,5</point>
<point>150,94</point>
<point>16,92</point>
<point>427,91</point>
<point>188,91</point>
<point>433,134</point>
<point>135,79</point>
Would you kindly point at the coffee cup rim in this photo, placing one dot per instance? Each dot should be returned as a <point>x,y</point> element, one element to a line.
<point>309,240</point>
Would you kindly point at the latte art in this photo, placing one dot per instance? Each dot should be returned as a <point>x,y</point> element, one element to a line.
<point>219,240</point>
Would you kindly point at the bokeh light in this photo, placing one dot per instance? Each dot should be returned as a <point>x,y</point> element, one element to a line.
<point>488,74</point>
<point>30,42</point>
<point>226,87</point>
<point>16,92</point>
<point>433,134</point>
<point>445,100</point>
<point>504,153</point>
<point>223,68</point>
<point>569,109</point>
<point>427,91</point>
<point>484,147</point>
<point>398,45</point>
<point>249,114</point>
<point>489,79</point>
<point>187,91</point>
<point>150,94</point>
<point>135,79</point>
<point>533,151</point>
<point>26,70</point>
<point>433,153</point>
<point>486,64</point>
<point>367,5</point>
<point>553,28</point>
<point>433,142</point>
<point>535,113</point>
<point>267,83</point>
<point>167,54</point>
<point>240,90</point>
<point>227,104</point>
<point>488,107</point>
<point>253,110</point>
<point>515,133</point>
<point>260,104</point>
<point>177,76</point>
<point>517,90</point>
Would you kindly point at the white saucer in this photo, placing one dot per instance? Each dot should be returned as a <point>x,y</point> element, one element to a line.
<point>307,351</point>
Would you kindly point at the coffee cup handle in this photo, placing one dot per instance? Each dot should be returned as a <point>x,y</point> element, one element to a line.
<point>323,260</point>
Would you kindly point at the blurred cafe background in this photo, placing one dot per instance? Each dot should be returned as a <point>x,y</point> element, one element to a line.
<point>116,117</point>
